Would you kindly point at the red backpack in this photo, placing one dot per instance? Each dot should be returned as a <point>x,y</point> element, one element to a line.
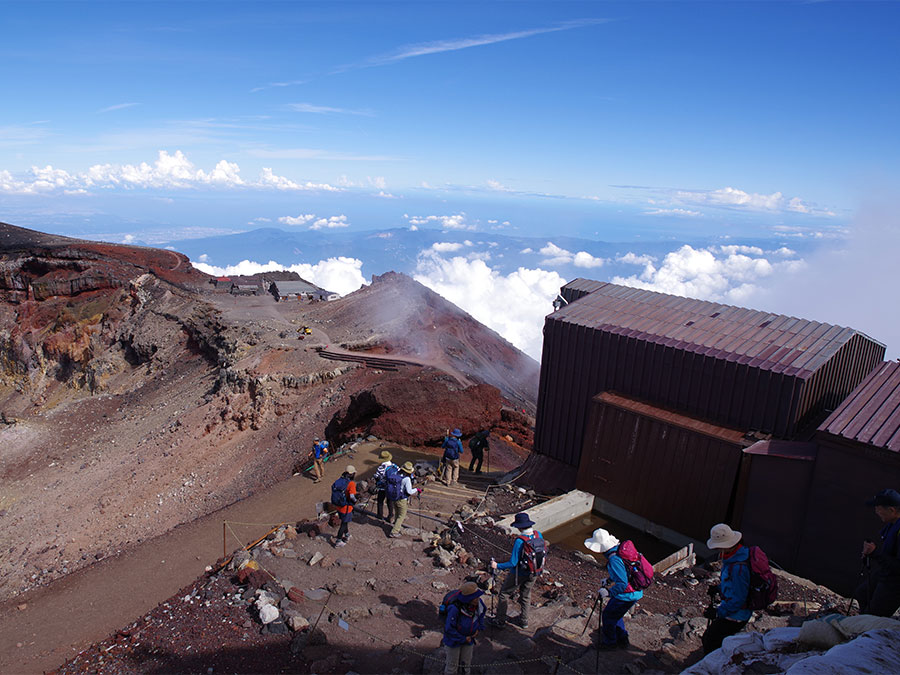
<point>763,583</point>
<point>639,569</point>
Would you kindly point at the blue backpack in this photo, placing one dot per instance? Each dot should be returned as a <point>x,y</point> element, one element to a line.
<point>393,483</point>
<point>339,491</point>
<point>452,448</point>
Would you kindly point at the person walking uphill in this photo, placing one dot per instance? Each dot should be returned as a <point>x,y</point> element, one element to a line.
<point>478,444</point>
<point>343,496</point>
<point>733,612</point>
<point>386,467</point>
<point>453,449</point>
<point>525,564</point>
<point>879,594</point>
<point>320,449</point>
<point>399,490</point>
<point>617,587</point>
<point>465,618</point>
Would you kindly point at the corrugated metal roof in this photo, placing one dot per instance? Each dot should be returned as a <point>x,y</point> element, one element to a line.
<point>871,413</point>
<point>768,341</point>
<point>292,287</point>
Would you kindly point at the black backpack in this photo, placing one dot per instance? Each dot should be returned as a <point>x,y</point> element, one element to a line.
<point>533,555</point>
<point>339,491</point>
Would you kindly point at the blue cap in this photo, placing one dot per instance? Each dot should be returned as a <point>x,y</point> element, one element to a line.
<point>887,497</point>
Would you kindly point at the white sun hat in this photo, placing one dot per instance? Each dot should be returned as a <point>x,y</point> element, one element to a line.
<point>722,536</point>
<point>601,541</point>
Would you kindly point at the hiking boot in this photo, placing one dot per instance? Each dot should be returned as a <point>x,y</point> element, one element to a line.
<point>495,623</point>
<point>339,543</point>
<point>519,622</point>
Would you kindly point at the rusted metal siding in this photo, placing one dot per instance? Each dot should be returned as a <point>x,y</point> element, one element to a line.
<point>648,460</point>
<point>734,366</point>
<point>578,288</point>
<point>773,497</point>
<point>871,414</point>
<point>846,474</point>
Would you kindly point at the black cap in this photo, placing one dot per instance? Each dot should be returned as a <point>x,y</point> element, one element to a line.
<point>885,498</point>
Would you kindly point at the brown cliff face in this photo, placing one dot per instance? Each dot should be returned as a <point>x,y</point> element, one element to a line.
<point>135,397</point>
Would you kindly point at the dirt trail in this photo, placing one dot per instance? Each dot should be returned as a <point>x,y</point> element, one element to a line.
<point>65,617</point>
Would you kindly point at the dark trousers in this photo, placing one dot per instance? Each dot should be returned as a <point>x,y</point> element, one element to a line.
<point>477,456</point>
<point>879,598</point>
<point>342,532</point>
<point>718,630</point>
<point>382,497</point>
<point>523,583</point>
<point>612,622</point>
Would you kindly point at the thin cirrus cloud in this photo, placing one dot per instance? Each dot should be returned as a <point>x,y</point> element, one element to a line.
<point>118,106</point>
<point>725,198</point>
<point>316,154</point>
<point>327,110</point>
<point>441,46</point>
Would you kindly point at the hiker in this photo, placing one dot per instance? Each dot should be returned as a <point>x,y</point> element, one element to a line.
<point>343,496</point>
<point>465,617</point>
<point>387,465</point>
<point>525,564</point>
<point>879,594</point>
<point>320,449</point>
<point>733,612</point>
<point>478,444</point>
<point>453,449</point>
<point>399,490</point>
<point>617,587</point>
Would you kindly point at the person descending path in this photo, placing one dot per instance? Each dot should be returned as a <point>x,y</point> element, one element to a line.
<point>386,467</point>
<point>453,450</point>
<point>343,496</point>
<point>399,490</point>
<point>732,613</point>
<point>478,444</point>
<point>465,618</point>
<point>879,594</point>
<point>525,564</point>
<point>618,587</point>
<point>320,449</point>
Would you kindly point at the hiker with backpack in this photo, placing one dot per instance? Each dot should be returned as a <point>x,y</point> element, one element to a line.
<point>733,612</point>
<point>879,594</point>
<point>343,497</point>
<point>478,444</point>
<point>453,450</point>
<point>525,565</point>
<point>629,574</point>
<point>399,489</point>
<point>387,466</point>
<point>320,449</point>
<point>464,611</point>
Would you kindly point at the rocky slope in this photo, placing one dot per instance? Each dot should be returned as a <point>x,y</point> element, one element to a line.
<point>136,397</point>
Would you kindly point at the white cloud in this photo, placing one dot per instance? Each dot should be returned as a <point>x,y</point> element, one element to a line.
<point>446,246</point>
<point>635,259</point>
<point>302,219</point>
<point>721,273</point>
<point>169,171</point>
<point>203,257</point>
<point>555,255</point>
<point>514,305</point>
<point>118,106</point>
<point>340,275</point>
<point>497,186</point>
<point>330,223</point>
<point>673,212</point>
<point>413,228</point>
<point>585,259</point>
<point>129,239</point>
<point>527,250</point>
<point>455,222</point>
<point>735,198</point>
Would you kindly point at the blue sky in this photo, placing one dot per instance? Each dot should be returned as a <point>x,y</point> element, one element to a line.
<point>643,122</point>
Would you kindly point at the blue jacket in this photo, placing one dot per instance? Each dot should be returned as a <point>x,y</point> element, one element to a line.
<point>618,573</point>
<point>516,554</point>
<point>319,447</point>
<point>735,586</point>
<point>460,626</point>
<point>887,556</point>
<point>452,448</point>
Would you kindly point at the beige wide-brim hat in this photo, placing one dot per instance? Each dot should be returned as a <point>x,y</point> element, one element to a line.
<point>601,541</point>
<point>386,456</point>
<point>407,468</point>
<point>722,536</point>
<point>350,469</point>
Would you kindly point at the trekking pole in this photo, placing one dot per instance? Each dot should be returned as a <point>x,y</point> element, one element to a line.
<point>591,615</point>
